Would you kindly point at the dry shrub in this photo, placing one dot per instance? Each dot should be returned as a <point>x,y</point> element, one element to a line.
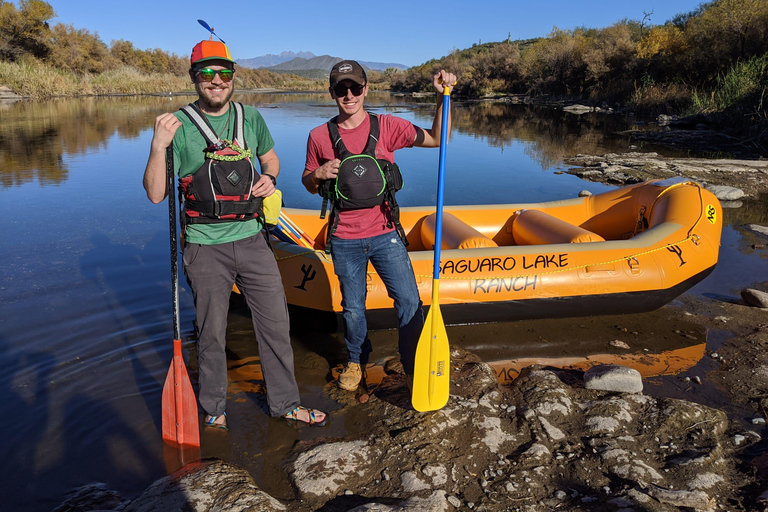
<point>653,99</point>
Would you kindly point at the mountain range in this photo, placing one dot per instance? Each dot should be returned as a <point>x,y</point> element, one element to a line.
<point>307,63</point>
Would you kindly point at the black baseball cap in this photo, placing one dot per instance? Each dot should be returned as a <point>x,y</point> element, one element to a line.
<point>348,70</point>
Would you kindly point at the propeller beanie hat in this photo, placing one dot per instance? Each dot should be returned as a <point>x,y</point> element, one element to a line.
<point>210,50</point>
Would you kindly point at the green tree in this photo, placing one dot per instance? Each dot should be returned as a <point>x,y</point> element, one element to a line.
<point>24,30</point>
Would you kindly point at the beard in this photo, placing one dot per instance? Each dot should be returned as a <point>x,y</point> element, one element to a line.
<point>208,100</point>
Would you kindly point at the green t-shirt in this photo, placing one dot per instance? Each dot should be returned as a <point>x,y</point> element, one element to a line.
<point>188,145</point>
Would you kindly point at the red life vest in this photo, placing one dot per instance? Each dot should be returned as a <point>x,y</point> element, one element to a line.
<point>220,190</point>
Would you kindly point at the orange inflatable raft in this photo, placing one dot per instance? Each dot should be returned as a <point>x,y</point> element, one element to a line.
<point>628,250</point>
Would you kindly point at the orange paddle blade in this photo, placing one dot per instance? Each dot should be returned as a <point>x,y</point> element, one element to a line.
<point>180,423</point>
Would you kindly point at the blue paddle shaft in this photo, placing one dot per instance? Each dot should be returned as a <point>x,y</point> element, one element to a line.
<point>441,184</point>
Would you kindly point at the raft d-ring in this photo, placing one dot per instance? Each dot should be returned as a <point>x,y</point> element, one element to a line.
<point>696,239</point>
<point>634,264</point>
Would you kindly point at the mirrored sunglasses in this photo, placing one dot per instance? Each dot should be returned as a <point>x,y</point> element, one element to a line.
<point>207,74</point>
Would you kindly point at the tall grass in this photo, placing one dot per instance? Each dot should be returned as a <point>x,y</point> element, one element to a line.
<point>738,101</point>
<point>36,80</point>
<point>743,90</point>
<point>128,80</point>
<point>32,78</point>
<point>651,99</point>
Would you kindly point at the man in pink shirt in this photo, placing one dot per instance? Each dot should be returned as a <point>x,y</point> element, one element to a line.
<point>360,234</point>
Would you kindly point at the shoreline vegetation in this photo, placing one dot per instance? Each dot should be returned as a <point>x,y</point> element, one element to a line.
<point>712,61</point>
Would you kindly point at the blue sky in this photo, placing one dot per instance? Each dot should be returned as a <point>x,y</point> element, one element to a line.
<point>396,31</point>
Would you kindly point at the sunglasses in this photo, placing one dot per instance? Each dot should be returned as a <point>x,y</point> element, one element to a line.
<point>341,90</point>
<point>207,74</point>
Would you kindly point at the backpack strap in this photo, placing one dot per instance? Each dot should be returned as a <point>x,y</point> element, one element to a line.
<point>239,135</point>
<point>338,144</point>
<point>333,223</point>
<point>206,130</point>
<point>199,120</point>
<point>394,209</point>
<point>373,136</point>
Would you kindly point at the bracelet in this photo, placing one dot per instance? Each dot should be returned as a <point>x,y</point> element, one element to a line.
<point>274,179</point>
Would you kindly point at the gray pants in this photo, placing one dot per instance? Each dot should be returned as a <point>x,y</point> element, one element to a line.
<point>211,271</point>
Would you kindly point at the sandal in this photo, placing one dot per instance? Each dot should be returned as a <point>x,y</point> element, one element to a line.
<point>293,417</point>
<point>219,422</point>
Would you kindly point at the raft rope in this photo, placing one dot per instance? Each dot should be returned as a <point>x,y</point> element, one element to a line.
<point>690,237</point>
<point>241,153</point>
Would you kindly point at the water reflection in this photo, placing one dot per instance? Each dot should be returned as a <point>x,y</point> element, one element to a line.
<point>35,137</point>
<point>552,134</point>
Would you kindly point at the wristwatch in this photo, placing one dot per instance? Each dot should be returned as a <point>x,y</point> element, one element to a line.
<point>274,179</point>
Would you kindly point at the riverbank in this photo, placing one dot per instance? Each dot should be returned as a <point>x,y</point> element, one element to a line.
<point>552,439</point>
<point>747,176</point>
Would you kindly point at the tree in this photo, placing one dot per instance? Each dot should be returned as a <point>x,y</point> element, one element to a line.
<point>730,30</point>
<point>24,30</point>
<point>78,50</point>
<point>125,52</point>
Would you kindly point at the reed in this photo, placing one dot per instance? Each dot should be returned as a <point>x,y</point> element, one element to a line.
<point>30,77</point>
<point>129,80</point>
<point>651,99</point>
<point>744,88</point>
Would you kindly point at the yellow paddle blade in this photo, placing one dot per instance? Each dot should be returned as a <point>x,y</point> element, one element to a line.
<point>431,372</point>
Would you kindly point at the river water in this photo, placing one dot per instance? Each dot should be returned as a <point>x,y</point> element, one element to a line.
<point>85,304</point>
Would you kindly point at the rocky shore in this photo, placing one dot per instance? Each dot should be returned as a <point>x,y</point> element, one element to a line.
<point>551,440</point>
<point>729,179</point>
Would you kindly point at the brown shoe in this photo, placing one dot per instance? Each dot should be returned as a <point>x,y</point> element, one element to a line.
<point>350,378</point>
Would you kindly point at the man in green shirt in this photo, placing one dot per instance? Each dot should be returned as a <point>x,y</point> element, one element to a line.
<point>226,242</point>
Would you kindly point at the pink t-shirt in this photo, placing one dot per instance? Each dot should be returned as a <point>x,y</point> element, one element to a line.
<point>394,133</point>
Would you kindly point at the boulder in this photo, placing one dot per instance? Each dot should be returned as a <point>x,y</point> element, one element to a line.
<point>755,297</point>
<point>206,486</point>
<point>613,378</point>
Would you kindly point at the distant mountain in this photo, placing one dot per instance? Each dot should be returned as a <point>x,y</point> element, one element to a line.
<point>381,66</point>
<point>306,62</point>
<point>324,62</point>
<point>272,60</point>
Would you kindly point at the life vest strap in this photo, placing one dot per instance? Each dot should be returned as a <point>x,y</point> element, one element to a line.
<point>221,208</point>
<point>201,122</point>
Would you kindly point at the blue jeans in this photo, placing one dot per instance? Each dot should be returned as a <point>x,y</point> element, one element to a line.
<point>390,260</point>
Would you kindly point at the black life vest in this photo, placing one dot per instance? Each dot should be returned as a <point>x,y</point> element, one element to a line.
<point>363,181</point>
<point>220,190</point>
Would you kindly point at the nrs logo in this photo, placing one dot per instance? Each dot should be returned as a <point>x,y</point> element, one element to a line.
<point>359,170</point>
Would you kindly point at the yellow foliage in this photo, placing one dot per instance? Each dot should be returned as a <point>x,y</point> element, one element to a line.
<point>666,39</point>
<point>24,30</point>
